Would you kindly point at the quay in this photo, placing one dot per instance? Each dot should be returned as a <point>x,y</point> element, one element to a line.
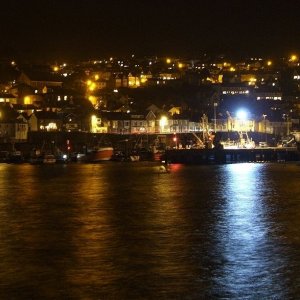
<point>224,156</point>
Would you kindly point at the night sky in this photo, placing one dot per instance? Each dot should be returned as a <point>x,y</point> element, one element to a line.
<point>90,29</point>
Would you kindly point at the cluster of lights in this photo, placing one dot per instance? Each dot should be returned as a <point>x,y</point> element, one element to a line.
<point>236,92</point>
<point>270,98</point>
<point>91,85</point>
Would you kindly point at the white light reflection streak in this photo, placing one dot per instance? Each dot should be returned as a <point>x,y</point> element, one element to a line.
<point>247,258</point>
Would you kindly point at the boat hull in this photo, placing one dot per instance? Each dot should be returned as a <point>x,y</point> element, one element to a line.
<point>100,154</point>
<point>49,159</point>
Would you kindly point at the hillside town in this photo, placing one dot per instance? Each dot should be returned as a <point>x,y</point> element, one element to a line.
<point>150,95</point>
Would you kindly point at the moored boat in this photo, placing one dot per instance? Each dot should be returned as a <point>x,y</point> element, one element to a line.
<point>99,154</point>
<point>49,159</point>
<point>4,156</point>
<point>134,157</point>
<point>16,157</point>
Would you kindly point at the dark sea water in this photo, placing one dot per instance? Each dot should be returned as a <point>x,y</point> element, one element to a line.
<point>128,231</point>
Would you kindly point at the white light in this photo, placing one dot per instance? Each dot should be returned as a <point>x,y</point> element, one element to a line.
<point>242,114</point>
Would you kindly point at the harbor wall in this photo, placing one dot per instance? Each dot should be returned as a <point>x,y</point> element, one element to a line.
<point>222,156</point>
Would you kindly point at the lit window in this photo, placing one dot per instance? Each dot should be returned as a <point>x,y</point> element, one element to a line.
<point>51,126</point>
<point>27,100</point>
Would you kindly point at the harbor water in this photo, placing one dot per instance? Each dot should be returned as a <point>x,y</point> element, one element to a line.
<point>134,231</point>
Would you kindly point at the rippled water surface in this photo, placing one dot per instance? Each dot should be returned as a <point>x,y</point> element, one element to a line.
<point>129,231</point>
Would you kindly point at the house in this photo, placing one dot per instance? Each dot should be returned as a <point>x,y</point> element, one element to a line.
<point>45,121</point>
<point>133,80</point>
<point>13,131</point>
<point>8,98</point>
<point>13,126</point>
<point>98,123</point>
<point>138,123</point>
<point>71,122</point>
<point>179,123</point>
<point>151,122</point>
<point>25,94</point>
<point>235,89</point>
<point>130,123</point>
<point>26,110</point>
<point>268,93</point>
<point>176,110</point>
<point>117,122</point>
<point>40,79</point>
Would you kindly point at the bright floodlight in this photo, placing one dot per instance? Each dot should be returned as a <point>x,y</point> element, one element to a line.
<point>241,114</point>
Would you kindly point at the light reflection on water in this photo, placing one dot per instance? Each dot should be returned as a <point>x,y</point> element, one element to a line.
<point>126,231</point>
<point>244,238</point>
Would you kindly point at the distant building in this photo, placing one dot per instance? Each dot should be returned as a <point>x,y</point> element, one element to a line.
<point>267,93</point>
<point>8,98</point>
<point>39,80</point>
<point>45,121</point>
<point>235,89</point>
<point>13,126</point>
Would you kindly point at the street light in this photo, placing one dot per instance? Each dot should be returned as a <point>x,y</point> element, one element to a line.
<point>94,123</point>
<point>265,121</point>
<point>215,117</point>
<point>286,117</point>
<point>293,58</point>
<point>163,122</point>
<point>242,114</point>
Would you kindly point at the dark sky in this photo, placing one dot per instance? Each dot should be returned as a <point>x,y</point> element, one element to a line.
<point>83,29</point>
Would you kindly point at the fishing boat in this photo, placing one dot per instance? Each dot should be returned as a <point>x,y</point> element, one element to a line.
<point>16,157</point>
<point>49,159</point>
<point>99,154</point>
<point>134,157</point>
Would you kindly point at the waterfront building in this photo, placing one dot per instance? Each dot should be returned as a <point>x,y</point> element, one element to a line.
<point>45,121</point>
<point>13,126</point>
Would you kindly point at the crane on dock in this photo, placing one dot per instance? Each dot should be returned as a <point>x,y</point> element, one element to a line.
<point>207,138</point>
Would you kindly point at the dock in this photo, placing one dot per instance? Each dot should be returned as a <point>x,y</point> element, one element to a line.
<point>224,156</point>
